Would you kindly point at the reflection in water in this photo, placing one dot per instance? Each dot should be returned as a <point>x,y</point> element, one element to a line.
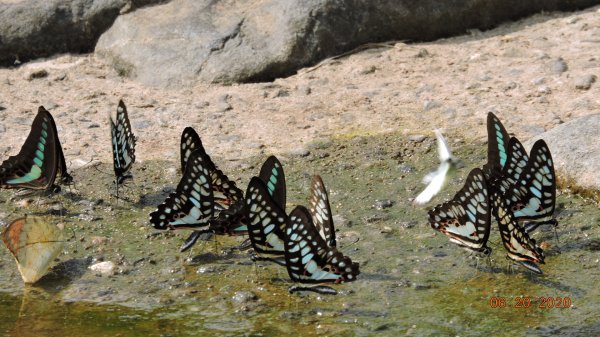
<point>38,315</point>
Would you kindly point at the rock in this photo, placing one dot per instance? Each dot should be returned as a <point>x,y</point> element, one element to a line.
<point>559,66</point>
<point>585,82</point>
<point>105,268</point>
<point>241,297</point>
<point>569,143</point>
<point>417,138</point>
<point>187,41</point>
<point>383,204</point>
<point>32,29</point>
<point>300,152</point>
<point>430,104</point>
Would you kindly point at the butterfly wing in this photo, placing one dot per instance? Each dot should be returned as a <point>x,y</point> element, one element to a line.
<point>536,196</point>
<point>520,247</point>
<point>308,258</point>
<point>190,142</point>
<point>35,166</point>
<point>320,211</point>
<point>271,173</point>
<point>266,220</point>
<point>191,205</point>
<point>123,142</point>
<point>444,151</point>
<point>466,218</point>
<point>35,244</point>
<point>497,146</point>
<point>437,181</point>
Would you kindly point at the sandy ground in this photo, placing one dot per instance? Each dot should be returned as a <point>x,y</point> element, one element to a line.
<point>526,72</point>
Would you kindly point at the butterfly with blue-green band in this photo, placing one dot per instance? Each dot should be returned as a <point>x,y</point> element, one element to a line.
<point>519,246</point>
<point>40,159</point>
<point>308,257</point>
<point>527,183</point>
<point>466,218</point>
<point>226,199</point>
<point>271,174</point>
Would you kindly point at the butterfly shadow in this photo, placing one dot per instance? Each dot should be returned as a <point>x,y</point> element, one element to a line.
<point>63,274</point>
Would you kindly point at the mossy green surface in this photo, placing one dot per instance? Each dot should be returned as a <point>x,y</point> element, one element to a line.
<point>413,280</point>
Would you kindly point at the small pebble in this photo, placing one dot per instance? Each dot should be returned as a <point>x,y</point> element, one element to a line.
<point>417,138</point>
<point>243,297</point>
<point>585,82</point>
<point>37,73</point>
<point>300,152</point>
<point>383,204</point>
<point>559,66</point>
<point>105,268</point>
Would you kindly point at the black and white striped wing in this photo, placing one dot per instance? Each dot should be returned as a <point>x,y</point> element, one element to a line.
<point>267,221</point>
<point>466,218</point>
<point>308,258</point>
<point>320,211</point>
<point>191,205</point>
<point>190,142</point>
<point>123,142</point>
<point>536,196</point>
<point>519,246</point>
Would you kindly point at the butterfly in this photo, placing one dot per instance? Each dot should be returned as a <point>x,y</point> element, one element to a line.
<point>266,222</point>
<point>437,179</point>
<point>320,211</point>
<point>226,199</point>
<point>520,247</point>
<point>527,183</point>
<point>265,208</point>
<point>35,244</point>
<point>466,218</point>
<point>40,159</point>
<point>498,139</point>
<point>192,203</point>
<point>123,145</point>
<point>308,257</point>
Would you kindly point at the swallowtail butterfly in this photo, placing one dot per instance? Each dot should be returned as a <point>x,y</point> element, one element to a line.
<point>123,145</point>
<point>466,218</point>
<point>527,183</point>
<point>320,211</point>
<point>266,222</point>
<point>39,160</point>
<point>308,258</point>
<point>520,247</point>
<point>192,204</point>
<point>226,199</point>
<point>498,139</point>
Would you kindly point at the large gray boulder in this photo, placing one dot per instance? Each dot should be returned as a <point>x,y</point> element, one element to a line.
<point>185,41</point>
<point>32,29</point>
<point>575,148</point>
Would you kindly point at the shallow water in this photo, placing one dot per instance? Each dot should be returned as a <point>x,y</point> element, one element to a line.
<point>412,281</point>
